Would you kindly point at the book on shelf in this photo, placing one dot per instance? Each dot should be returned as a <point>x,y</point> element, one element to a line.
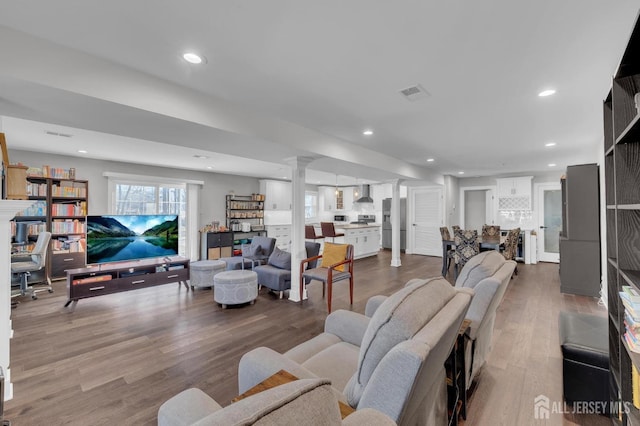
<point>631,310</point>
<point>631,294</point>
<point>633,347</point>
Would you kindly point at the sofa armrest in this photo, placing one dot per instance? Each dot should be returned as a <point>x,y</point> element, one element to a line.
<point>368,416</point>
<point>348,326</point>
<point>485,292</point>
<point>260,363</point>
<point>186,408</point>
<point>372,305</point>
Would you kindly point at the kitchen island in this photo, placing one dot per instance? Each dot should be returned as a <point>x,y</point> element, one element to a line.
<point>365,238</point>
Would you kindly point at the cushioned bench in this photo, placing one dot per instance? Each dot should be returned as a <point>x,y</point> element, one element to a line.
<point>584,340</point>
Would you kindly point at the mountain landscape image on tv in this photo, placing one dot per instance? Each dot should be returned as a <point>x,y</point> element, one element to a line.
<point>115,238</point>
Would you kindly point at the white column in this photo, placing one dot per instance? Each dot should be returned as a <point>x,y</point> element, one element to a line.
<point>298,252</point>
<point>8,209</point>
<point>193,216</point>
<point>395,223</point>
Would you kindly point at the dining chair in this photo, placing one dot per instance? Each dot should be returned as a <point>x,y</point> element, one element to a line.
<point>336,265</point>
<point>491,235</point>
<point>511,246</point>
<point>455,228</point>
<point>310,233</point>
<point>467,246</point>
<point>329,231</point>
<point>447,251</point>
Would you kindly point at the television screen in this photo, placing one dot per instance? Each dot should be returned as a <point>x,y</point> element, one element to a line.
<point>115,238</point>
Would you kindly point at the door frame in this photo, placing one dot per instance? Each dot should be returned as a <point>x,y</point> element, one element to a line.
<point>494,206</point>
<point>539,188</point>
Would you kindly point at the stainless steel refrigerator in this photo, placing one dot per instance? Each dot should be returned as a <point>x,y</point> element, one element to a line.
<point>386,223</point>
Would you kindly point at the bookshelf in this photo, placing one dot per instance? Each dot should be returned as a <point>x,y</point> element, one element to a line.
<point>621,114</point>
<point>245,218</point>
<point>60,206</point>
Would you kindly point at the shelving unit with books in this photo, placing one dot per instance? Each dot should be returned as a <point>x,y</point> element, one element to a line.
<point>61,208</point>
<point>622,185</point>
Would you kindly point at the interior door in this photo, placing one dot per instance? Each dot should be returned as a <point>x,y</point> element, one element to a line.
<point>426,220</point>
<point>549,221</point>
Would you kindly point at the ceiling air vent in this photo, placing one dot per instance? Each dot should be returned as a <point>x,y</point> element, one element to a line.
<point>63,135</point>
<point>415,93</point>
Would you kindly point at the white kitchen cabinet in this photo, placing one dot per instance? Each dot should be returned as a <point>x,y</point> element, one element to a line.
<point>347,198</point>
<point>282,234</point>
<point>514,193</point>
<point>277,194</point>
<point>365,240</point>
<point>327,196</point>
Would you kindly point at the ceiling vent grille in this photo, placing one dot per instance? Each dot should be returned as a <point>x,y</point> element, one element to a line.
<point>63,135</point>
<point>415,93</point>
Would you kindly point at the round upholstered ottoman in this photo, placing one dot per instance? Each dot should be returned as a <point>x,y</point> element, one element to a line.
<point>235,287</point>
<point>201,272</point>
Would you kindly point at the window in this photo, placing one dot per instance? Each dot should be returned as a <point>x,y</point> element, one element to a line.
<point>310,204</point>
<point>139,198</point>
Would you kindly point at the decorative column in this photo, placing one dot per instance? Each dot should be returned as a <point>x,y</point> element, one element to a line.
<point>8,209</point>
<point>395,223</point>
<point>298,251</point>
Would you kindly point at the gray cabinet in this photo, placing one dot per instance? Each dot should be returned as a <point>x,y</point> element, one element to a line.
<point>580,242</point>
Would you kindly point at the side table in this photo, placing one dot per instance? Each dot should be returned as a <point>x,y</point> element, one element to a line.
<point>457,376</point>
<point>280,378</point>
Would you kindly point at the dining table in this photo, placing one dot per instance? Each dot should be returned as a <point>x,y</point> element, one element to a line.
<point>493,244</point>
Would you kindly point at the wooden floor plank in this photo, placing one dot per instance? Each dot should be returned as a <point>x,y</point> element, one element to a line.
<point>114,359</point>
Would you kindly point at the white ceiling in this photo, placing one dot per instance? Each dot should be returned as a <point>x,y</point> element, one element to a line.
<point>305,78</point>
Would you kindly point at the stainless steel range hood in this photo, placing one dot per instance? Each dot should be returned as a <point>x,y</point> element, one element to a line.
<point>365,195</point>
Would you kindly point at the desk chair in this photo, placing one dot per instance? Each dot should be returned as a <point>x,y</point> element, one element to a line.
<point>329,231</point>
<point>32,262</point>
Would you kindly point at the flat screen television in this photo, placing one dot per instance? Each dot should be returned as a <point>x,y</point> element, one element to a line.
<point>117,238</point>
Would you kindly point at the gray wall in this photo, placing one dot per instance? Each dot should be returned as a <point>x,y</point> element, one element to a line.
<point>212,197</point>
<point>475,209</point>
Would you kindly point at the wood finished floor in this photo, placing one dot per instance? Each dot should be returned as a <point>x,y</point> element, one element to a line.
<point>114,359</point>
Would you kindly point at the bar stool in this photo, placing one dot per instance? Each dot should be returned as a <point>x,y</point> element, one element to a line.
<point>310,233</point>
<point>329,231</point>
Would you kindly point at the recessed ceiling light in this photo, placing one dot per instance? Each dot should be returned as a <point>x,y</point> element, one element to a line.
<point>368,132</point>
<point>460,173</point>
<point>551,164</point>
<point>193,58</point>
<point>547,92</point>
<point>82,151</point>
<point>430,160</point>
<point>550,144</point>
<point>209,167</point>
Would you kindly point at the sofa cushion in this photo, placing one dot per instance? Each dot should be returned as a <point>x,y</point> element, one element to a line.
<point>479,267</point>
<point>397,319</point>
<point>305,401</point>
<point>251,250</point>
<point>332,254</point>
<point>280,259</point>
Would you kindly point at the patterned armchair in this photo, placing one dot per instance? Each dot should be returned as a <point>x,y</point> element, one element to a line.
<point>467,246</point>
<point>511,246</point>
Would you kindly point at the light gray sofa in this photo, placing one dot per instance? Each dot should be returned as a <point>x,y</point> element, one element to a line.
<point>488,274</point>
<point>392,361</point>
<point>301,402</point>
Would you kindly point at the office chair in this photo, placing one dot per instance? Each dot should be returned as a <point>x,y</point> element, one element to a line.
<point>32,262</point>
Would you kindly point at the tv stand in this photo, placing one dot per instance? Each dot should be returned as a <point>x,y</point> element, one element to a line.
<point>124,276</point>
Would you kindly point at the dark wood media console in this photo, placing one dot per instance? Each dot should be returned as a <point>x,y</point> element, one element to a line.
<point>124,276</point>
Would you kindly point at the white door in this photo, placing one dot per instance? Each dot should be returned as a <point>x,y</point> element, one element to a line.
<point>549,221</point>
<point>425,219</point>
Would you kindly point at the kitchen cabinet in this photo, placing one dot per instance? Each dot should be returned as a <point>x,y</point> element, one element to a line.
<point>514,193</point>
<point>282,234</point>
<point>327,195</point>
<point>365,240</point>
<point>277,194</point>
<point>347,198</point>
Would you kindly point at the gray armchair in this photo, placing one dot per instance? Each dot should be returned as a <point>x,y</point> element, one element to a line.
<point>257,252</point>
<point>301,402</point>
<point>276,274</point>
<point>392,361</point>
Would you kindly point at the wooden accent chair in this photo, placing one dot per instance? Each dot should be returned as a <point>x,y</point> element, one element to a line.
<point>333,268</point>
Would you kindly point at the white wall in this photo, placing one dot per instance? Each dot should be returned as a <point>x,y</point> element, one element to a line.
<point>212,197</point>
<point>475,208</point>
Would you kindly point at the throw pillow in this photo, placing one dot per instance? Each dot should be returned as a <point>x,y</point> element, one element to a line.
<point>251,250</point>
<point>280,259</point>
<point>332,254</point>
